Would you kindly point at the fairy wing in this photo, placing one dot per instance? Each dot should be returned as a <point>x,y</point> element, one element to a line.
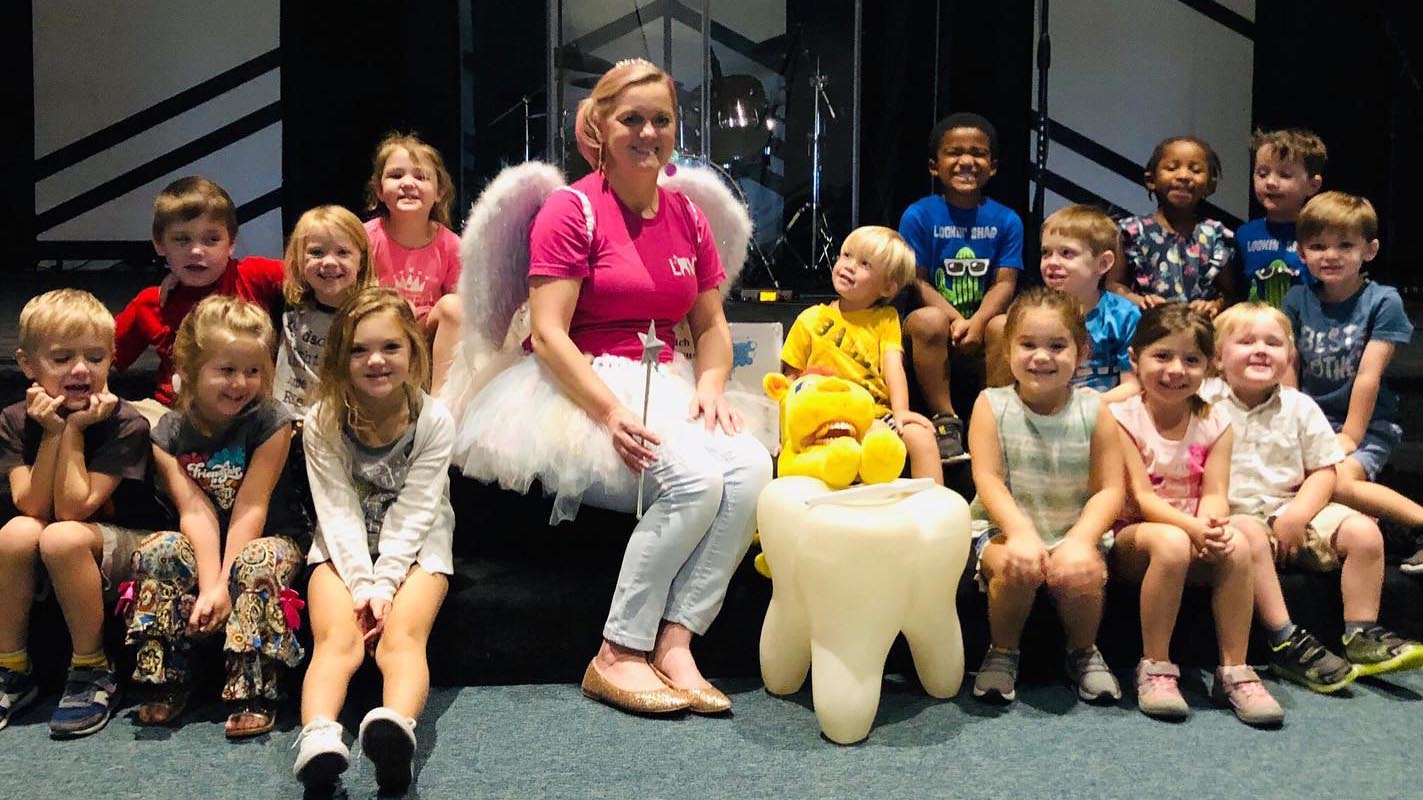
<point>726,215</point>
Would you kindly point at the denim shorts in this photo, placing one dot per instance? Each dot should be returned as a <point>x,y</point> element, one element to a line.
<point>1379,440</point>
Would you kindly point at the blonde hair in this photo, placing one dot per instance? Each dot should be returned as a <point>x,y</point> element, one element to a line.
<point>334,393</point>
<point>1239,315</point>
<point>1293,144</point>
<point>335,219</point>
<point>201,334</point>
<point>1089,225</point>
<point>422,154</point>
<point>884,248</point>
<point>187,199</point>
<point>1339,212</point>
<point>593,110</point>
<point>1068,310</point>
<point>64,314</point>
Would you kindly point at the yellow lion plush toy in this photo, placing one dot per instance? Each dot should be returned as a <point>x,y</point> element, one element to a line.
<point>828,431</point>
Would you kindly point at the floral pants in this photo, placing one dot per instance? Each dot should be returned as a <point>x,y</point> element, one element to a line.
<point>260,634</point>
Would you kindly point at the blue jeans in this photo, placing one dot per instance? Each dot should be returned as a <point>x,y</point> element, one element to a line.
<point>699,513</point>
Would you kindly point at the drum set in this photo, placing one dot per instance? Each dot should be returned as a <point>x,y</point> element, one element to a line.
<point>743,136</point>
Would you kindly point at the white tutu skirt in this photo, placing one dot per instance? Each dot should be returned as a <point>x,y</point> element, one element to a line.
<point>521,427</point>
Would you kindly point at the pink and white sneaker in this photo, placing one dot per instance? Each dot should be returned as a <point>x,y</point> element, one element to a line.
<point>1157,694</point>
<point>1240,688</point>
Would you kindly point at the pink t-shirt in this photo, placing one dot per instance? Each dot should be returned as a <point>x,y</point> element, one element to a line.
<point>422,275</point>
<point>633,269</point>
<point>1174,467</point>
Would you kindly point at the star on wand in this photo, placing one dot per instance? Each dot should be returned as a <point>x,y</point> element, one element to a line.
<point>651,346</point>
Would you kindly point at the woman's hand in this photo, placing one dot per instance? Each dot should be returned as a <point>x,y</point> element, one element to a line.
<point>631,439</point>
<point>210,612</point>
<point>710,406</point>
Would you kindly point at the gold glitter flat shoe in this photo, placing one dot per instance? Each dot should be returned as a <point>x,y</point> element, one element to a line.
<point>710,700</point>
<point>651,701</point>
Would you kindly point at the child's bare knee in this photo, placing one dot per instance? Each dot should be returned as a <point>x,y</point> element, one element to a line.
<point>62,541</point>
<point>927,324</point>
<point>20,538</point>
<point>1359,536</point>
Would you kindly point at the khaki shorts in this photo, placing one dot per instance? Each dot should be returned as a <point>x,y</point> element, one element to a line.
<point>1317,554</point>
<point>117,564</point>
<point>150,409</point>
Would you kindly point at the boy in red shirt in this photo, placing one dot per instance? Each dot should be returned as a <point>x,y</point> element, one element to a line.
<point>195,231</point>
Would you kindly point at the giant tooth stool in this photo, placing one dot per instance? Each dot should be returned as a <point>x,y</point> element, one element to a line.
<point>850,570</point>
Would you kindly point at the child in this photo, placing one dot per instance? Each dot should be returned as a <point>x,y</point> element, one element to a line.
<point>77,459</point>
<point>1173,528</point>
<point>378,454</point>
<point>857,337</point>
<point>328,259</point>
<point>968,249</point>
<point>412,246</point>
<point>1289,168</point>
<point>1175,254</point>
<point>194,232</point>
<point>1347,328</point>
<point>1048,466</point>
<point>220,454</point>
<point>1080,244</point>
<point>1281,477</point>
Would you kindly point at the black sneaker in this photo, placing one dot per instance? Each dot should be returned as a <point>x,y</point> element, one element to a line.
<point>1306,661</point>
<point>17,690</point>
<point>1376,650</point>
<point>948,431</point>
<point>1413,565</point>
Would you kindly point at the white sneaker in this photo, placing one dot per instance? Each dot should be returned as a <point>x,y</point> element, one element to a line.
<point>388,740</point>
<point>321,755</point>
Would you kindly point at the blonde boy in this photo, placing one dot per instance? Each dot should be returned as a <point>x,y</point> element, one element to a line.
<point>76,455</point>
<point>1282,475</point>
<point>857,337</point>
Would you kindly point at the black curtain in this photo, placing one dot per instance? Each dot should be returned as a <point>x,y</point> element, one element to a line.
<point>351,71</point>
<point>1345,74</point>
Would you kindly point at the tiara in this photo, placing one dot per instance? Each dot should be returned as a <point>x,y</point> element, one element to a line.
<point>629,62</point>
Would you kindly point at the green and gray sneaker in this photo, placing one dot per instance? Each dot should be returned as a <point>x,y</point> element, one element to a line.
<point>1375,650</point>
<point>1304,660</point>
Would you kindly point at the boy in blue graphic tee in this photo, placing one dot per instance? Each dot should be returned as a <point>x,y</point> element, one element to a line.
<point>1289,167</point>
<point>1346,329</point>
<point>968,251</point>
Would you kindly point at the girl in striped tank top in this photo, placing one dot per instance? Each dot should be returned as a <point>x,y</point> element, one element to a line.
<point>1047,464</point>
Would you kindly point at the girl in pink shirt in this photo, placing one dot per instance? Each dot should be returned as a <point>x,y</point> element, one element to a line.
<point>606,256</point>
<point>412,246</point>
<point>1174,529</point>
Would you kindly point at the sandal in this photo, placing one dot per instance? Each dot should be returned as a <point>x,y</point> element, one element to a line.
<point>165,707</point>
<point>252,719</point>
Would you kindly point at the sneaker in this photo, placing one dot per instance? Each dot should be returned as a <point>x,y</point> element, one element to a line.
<point>1413,565</point>
<point>388,740</point>
<point>948,431</point>
<point>1089,673</point>
<point>1304,660</point>
<point>1241,689</point>
<point>997,676</point>
<point>1157,692</point>
<point>1376,650</point>
<point>321,754</point>
<point>88,700</point>
<point>17,690</point>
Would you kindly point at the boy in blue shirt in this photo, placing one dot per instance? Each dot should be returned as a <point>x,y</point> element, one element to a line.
<point>968,251</point>
<point>1289,168</point>
<point>1347,327</point>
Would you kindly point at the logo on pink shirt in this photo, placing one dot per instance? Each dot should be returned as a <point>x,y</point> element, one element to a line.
<point>682,267</point>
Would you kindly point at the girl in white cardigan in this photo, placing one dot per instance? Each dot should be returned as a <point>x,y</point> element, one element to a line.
<point>377,454</point>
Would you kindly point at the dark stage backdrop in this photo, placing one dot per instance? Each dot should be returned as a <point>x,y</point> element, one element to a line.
<point>1350,72</point>
<point>351,71</point>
